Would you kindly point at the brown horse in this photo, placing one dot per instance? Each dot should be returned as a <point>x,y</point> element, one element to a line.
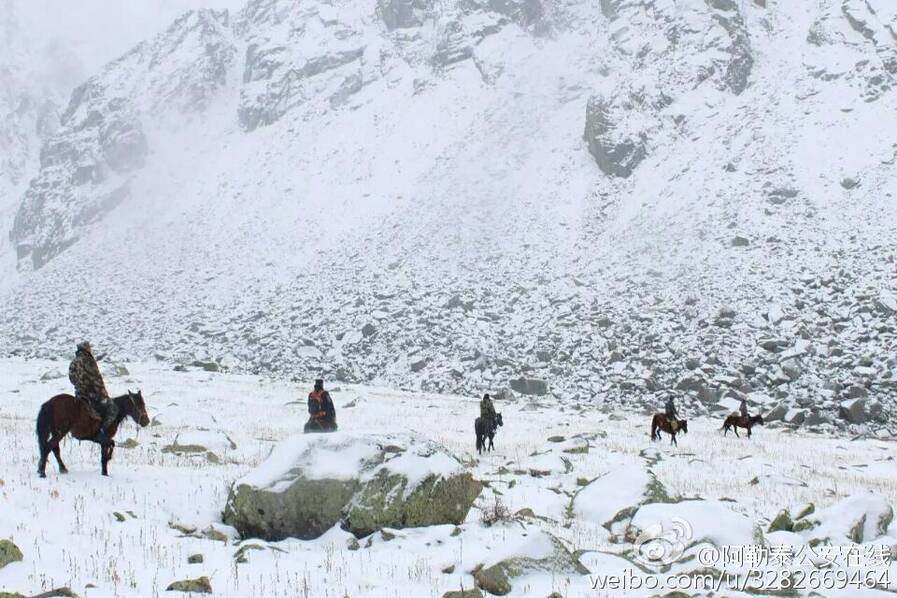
<point>661,423</point>
<point>64,414</point>
<point>736,421</point>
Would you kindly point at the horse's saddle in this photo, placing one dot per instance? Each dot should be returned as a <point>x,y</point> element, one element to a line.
<point>674,423</point>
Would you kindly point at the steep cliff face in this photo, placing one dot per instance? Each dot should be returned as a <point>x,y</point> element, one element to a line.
<point>28,108</point>
<point>619,197</point>
<point>86,167</point>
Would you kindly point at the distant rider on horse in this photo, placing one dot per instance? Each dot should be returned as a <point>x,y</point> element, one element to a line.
<point>743,408</point>
<point>322,414</point>
<point>84,374</point>
<point>487,411</point>
<point>669,409</point>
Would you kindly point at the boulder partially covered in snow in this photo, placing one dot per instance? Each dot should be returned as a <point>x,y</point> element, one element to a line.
<point>617,495</point>
<point>9,553</point>
<point>616,134</point>
<point>860,518</point>
<point>859,410</point>
<point>548,555</point>
<point>400,14</point>
<point>312,482</point>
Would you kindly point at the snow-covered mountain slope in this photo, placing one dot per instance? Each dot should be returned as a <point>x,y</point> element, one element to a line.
<point>596,200</point>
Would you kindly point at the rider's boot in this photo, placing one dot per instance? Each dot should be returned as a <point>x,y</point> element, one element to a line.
<point>102,436</point>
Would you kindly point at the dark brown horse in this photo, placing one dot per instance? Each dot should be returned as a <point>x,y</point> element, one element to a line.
<point>736,421</point>
<point>64,414</point>
<point>660,423</point>
<point>485,430</point>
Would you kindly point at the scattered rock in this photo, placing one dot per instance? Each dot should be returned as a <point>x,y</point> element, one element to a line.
<point>493,579</point>
<point>9,553</point>
<point>200,585</point>
<point>781,522</point>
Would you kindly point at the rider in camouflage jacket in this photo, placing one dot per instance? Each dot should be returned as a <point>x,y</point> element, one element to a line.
<point>487,409</point>
<point>84,374</point>
<point>672,415</point>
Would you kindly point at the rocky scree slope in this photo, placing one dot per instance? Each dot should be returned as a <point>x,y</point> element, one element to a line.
<point>599,202</point>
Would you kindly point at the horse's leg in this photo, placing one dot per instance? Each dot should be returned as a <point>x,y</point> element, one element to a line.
<point>673,439</point>
<point>749,431</point>
<point>42,462</point>
<point>104,459</point>
<point>54,444</point>
<point>735,429</point>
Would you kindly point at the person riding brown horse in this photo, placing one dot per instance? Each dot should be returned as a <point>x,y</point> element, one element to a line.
<point>737,420</point>
<point>64,414</point>
<point>672,415</point>
<point>661,423</point>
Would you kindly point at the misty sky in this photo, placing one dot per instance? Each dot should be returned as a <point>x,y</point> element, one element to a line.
<point>85,34</point>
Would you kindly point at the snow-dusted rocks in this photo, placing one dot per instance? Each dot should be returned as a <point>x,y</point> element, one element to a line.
<point>364,482</point>
<point>9,553</point>
<point>859,410</point>
<point>709,521</point>
<point>468,267</point>
<point>616,135</point>
<point>295,56</point>
<point>859,518</point>
<point>85,173</point>
<point>498,579</point>
<point>401,14</point>
<point>87,167</point>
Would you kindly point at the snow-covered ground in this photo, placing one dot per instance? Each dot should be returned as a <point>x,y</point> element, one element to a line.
<point>131,534</point>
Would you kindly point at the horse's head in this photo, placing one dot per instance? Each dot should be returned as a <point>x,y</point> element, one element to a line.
<point>683,425</point>
<point>138,413</point>
<point>498,420</point>
<point>758,419</point>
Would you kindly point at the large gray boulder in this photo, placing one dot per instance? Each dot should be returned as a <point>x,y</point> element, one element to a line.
<point>859,410</point>
<point>364,483</point>
<point>617,140</point>
<point>529,386</point>
<point>401,14</point>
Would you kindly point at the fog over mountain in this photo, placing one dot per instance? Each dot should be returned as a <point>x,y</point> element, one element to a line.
<point>594,201</point>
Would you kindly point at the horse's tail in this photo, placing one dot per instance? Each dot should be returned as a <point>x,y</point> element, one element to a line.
<point>727,423</point>
<point>654,429</point>
<point>44,425</point>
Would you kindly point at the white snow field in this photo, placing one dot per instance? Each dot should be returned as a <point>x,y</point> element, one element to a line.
<point>560,472</point>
